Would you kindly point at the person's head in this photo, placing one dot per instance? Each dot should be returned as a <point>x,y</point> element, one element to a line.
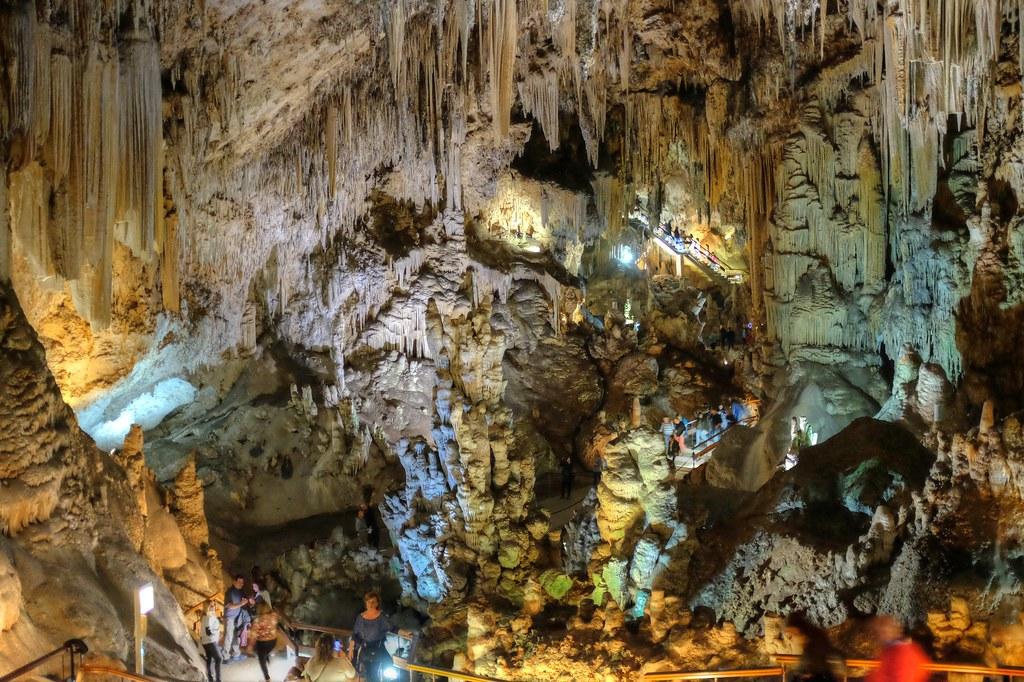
<point>793,422</point>
<point>665,420</point>
<point>262,608</point>
<point>371,600</point>
<point>886,630</point>
<point>211,609</point>
<point>239,581</point>
<point>324,649</point>
<point>361,512</point>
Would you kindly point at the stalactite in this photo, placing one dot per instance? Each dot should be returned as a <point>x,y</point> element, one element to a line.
<point>170,292</point>
<point>331,148</point>
<point>503,34</point>
<point>539,95</point>
<point>58,148</point>
<point>139,195</point>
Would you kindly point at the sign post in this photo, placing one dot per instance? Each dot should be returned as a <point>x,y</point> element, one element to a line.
<point>143,605</point>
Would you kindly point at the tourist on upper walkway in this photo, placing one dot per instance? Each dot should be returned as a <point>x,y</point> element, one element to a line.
<point>819,660</point>
<point>327,665</point>
<point>900,659</point>
<point>209,637</point>
<point>368,634</point>
<point>568,475</point>
<point>235,602</point>
<point>264,632</point>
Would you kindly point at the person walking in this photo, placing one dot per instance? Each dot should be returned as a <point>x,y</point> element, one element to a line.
<point>326,665</point>
<point>568,475</point>
<point>598,467</point>
<point>819,661</point>
<point>264,634</point>
<point>366,648</point>
<point>900,659</point>
<point>209,637</point>
<point>234,603</point>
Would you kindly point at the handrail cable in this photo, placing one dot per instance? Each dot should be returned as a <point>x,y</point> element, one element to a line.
<point>116,672</point>
<point>853,663</point>
<point>72,646</point>
<point>715,674</point>
<point>446,672</point>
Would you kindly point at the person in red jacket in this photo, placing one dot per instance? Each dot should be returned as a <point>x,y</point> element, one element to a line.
<point>900,659</point>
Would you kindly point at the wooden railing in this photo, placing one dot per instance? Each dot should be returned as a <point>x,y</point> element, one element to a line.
<point>786,660</point>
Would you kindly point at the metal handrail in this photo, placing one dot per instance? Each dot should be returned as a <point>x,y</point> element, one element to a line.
<point>72,646</point>
<point>116,672</point>
<point>444,672</point>
<point>853,663</point>
<point>962,668</point>
<point>715,674</point>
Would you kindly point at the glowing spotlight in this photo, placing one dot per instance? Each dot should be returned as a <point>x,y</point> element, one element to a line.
<point>624,255</point>
<point>533,248</point>
<point>390,673</point>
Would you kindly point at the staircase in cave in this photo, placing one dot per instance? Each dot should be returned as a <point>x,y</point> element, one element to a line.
<point>703,259</point>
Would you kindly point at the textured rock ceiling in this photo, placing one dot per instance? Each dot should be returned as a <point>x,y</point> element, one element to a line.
<point>373,244</point>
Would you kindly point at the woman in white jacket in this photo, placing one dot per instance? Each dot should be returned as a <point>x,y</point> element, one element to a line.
<point>328,665</point>
<point>209,636</point>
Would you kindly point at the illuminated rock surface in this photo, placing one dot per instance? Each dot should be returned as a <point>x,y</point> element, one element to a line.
<point>286,258</point>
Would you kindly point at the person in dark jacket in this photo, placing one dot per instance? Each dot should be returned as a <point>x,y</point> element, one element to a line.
<point>568,475</point>
<point>819,660</point>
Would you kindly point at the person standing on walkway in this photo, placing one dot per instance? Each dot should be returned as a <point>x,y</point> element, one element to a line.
<point>234,601</point>
<point>264,633</point>
<point>568,475</point>
<point>900,659</point>
<point>366,648</point>
<point>819,660</point>
<point>667,429</point>
<point>209,637</point>
<point>598,466</point>
<point>362,527</point>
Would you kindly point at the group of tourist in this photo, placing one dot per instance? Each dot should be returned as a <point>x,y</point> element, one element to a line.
<point>251,623</point>
<point>685,242</point>
<point>900,659</point>
<point>681,434</point>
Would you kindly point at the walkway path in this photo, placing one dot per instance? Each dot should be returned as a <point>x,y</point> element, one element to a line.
<point>703,258</point>
<point>249,669</point>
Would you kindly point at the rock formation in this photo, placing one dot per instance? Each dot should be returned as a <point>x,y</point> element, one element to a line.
<point>413,254</point>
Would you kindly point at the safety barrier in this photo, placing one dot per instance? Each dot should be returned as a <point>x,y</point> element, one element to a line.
<point>785,661</point>
<point>89,669</point>
<point>436,672</point>
<point>777,671</point>
<point>72,647</point>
